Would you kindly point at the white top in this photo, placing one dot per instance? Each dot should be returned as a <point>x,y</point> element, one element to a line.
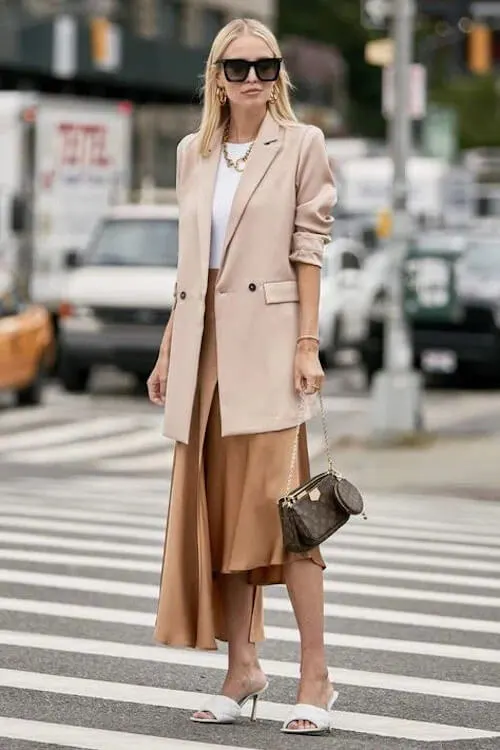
<point>227,181</point>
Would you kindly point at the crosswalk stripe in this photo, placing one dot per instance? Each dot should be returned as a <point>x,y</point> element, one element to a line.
<point>400,558</point>
<point>31,416</point>
<point>330,552</point>
<point>61,434</point>
<point>342,539</point>
<point>87,545</point>
<point>273,632</point>
<point>478,530</point>
<point>210,660</point>
<point>115,445</point>
<point>191,701</point>
<point>85,738</point>
<point>352,570</point>
<point>147,591</point>
<point>387,532</point>
<point>121,518</point>
<point>464,550</point>
<point>86,561</point>
<point>121,588</point>
<point>150,462</point>
<point>83,529</point>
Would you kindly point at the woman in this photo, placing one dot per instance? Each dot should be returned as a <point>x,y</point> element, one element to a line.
<point>255,196</point>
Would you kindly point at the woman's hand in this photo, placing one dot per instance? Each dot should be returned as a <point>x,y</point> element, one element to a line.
<point>308,373</point>
<point>157,381</point>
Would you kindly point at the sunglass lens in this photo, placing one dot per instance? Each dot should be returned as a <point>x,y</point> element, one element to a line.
<point>236,70</point>
<point>268,70</point>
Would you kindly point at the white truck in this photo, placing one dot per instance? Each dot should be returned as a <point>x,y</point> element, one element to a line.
<point>64,162</point>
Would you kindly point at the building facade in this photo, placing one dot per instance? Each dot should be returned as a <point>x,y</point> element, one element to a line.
<point>160,48</point>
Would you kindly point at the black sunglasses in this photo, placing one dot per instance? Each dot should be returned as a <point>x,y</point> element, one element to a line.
<point>266,69</point>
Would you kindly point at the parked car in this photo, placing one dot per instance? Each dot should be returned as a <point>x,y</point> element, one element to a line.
<point>120,294</point>
<point>460,333</point>
<point>27,345</point>
<point>428,269</point>
<point>339,284</point>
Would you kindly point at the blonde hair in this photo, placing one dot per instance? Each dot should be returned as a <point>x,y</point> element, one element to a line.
<point>214,114</point>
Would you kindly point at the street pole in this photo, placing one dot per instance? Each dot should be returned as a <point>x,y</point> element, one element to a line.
<point>396,396</point>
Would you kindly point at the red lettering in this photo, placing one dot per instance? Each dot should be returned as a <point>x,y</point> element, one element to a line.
<point>83,145</point>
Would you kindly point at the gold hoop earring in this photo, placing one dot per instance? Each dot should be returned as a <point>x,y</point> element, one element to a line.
<point>274,95</point>
<point>221,95</point>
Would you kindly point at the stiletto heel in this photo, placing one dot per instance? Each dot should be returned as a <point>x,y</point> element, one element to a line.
<point>255,700</point>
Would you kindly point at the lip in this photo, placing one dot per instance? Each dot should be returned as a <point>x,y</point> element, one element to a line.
<point>253,91</point>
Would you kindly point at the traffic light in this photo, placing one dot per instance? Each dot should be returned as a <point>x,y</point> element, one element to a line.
<point>480,49</point>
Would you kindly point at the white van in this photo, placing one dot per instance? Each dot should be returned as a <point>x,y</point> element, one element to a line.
<point>120,294</point>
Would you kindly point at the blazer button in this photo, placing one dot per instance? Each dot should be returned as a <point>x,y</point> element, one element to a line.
<point>252,287</point>
<point>182,295</point>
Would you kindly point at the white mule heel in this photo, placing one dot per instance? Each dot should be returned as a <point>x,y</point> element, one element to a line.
<point>320,717</point>
<point>225,710</point>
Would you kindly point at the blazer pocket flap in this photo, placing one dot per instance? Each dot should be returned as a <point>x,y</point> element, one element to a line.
<point>281,291</point>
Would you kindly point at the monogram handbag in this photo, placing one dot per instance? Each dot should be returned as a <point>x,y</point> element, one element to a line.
<point>312,512</point>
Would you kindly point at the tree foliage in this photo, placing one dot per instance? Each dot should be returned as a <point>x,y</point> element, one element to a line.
<point>477,102</point>
<point>337,22</point>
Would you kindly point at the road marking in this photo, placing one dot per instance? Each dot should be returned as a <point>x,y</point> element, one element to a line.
<point>84,561</point>
<point>142,566</point>
<point>478,550</point>
<point>289,635</point>
<point>190,701</point>
<point>152,462</point>
<point>115,517</point>
<point>333,553</point>
<point>63,433</point>
<point>82,529</point>
<point>329,553</point>
<point>209,660</point>
<point>366,529</point>
<point>422,576</point>
<point>389,522</point>
<point>84,738</point>
<point>148,591</point>
<point>116,445</point>
<point>89,545</point>
<point>120,518</point>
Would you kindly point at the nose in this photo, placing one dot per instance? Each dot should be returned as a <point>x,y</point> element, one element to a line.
<point>252,78</point>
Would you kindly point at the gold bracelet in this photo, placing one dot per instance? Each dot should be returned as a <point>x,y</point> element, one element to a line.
<point>307,337</point>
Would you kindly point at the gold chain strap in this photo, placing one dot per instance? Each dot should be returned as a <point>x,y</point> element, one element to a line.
<point>296,443</point>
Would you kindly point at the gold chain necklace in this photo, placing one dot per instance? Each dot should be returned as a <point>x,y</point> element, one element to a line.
<point>239,164</point>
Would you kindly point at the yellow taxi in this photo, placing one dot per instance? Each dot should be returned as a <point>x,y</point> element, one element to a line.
<point>27,347</point>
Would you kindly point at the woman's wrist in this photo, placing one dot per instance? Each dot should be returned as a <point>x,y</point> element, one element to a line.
<point>308,343</point>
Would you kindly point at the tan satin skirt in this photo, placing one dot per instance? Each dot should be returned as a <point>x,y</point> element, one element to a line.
<point>222,517</point>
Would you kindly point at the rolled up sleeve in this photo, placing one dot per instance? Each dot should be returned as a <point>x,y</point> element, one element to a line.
<point>316,197</point>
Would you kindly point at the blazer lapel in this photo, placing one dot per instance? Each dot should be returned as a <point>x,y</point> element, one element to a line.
<point>264,151</point>
<point>206,186</point>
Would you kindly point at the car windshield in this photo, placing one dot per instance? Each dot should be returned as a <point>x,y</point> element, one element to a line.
<point>484,257</point>
<point>135,242</point>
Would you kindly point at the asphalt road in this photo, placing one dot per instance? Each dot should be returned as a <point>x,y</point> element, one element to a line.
<point>412,600</point>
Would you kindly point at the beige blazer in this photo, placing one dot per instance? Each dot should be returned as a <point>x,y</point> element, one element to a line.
<point>281,214</point>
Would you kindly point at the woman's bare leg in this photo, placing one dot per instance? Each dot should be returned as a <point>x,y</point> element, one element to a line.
<point>304,580</point>
<point>244,674</point>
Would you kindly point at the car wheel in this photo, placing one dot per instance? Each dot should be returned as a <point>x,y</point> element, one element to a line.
<point>33,393</point>
<point>74,377</point>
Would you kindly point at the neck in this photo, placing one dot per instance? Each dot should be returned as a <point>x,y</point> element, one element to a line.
<point>244,126</point>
